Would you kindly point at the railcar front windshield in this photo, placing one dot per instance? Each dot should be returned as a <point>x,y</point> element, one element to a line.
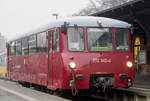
<point>122,39</point>
<point>100,39</point>
<point>75,39</point>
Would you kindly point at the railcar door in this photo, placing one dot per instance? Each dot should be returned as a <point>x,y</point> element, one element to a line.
<point>50,58</point>
<point>11,55</point>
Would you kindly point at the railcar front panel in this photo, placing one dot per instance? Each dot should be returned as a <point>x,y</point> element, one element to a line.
<point>99,54</point>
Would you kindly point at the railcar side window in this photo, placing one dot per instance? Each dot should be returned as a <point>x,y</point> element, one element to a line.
<point>12,49</point>
<point>18,48</point>
<point>100,39</point>
<point>57,40</point>
<point>25,48</point>
<point>41,42</point>
<point>122,39</point>
<point>32,44</point>
<point>75,39</point>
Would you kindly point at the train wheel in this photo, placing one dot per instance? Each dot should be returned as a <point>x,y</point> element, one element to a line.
<point>24,84</point>
<point>49,91</point>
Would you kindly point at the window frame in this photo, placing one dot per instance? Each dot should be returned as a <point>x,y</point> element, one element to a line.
<point>20,47</point>
<point>83,41</point>
<point>57,40</point>
<point>27,38</point>
<point>29,41</point>
<point>54,41</point>
<point>128,39</point>
<point>11,48</point>
<point>111,28</point>
<point>50,40</point>
<point>38,52</point>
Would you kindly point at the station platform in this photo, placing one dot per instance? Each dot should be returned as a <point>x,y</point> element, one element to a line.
<point>140,91</point>
<point>142,81</point>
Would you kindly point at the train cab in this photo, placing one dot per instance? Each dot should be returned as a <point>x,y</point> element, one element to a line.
<point>98,54</point>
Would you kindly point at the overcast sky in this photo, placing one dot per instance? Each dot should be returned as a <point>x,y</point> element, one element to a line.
<point>20,16</point>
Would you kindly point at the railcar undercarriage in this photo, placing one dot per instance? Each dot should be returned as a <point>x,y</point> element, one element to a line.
<point>101,83</point>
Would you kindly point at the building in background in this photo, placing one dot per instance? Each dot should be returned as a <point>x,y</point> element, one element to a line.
<point>3,56</point>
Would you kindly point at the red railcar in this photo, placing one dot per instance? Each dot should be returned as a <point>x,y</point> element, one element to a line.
<point>75,53</point>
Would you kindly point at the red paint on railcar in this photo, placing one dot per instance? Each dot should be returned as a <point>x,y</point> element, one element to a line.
<point>52,69</point>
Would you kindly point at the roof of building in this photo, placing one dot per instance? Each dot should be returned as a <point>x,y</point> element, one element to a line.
<point>128,11</point>
<point>135,12</point>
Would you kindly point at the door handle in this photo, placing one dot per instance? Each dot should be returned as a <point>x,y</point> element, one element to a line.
<point>47,56</point>
<point>24,61</point>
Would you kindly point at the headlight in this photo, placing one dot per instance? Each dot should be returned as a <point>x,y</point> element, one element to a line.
<point>72,65</point>
<point>129,64</point>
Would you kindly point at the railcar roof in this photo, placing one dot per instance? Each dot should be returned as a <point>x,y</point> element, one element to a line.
<point>79,21</point>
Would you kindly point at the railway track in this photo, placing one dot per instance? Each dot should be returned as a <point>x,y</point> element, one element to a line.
<point>64,96</point>
<point>130,94</point>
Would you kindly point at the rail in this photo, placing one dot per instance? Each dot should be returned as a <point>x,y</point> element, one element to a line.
<point>127,94</point>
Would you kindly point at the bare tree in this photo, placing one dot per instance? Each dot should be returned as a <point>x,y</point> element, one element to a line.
<point>99,5</point>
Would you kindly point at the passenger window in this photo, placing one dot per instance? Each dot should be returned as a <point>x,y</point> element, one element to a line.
<point>54,41</point>
<point>32,44</point>
<point>12,49</point>
<point>41,42</point>
<point>25,48</point>
<point>18,48</point>
<point>57,40</point>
